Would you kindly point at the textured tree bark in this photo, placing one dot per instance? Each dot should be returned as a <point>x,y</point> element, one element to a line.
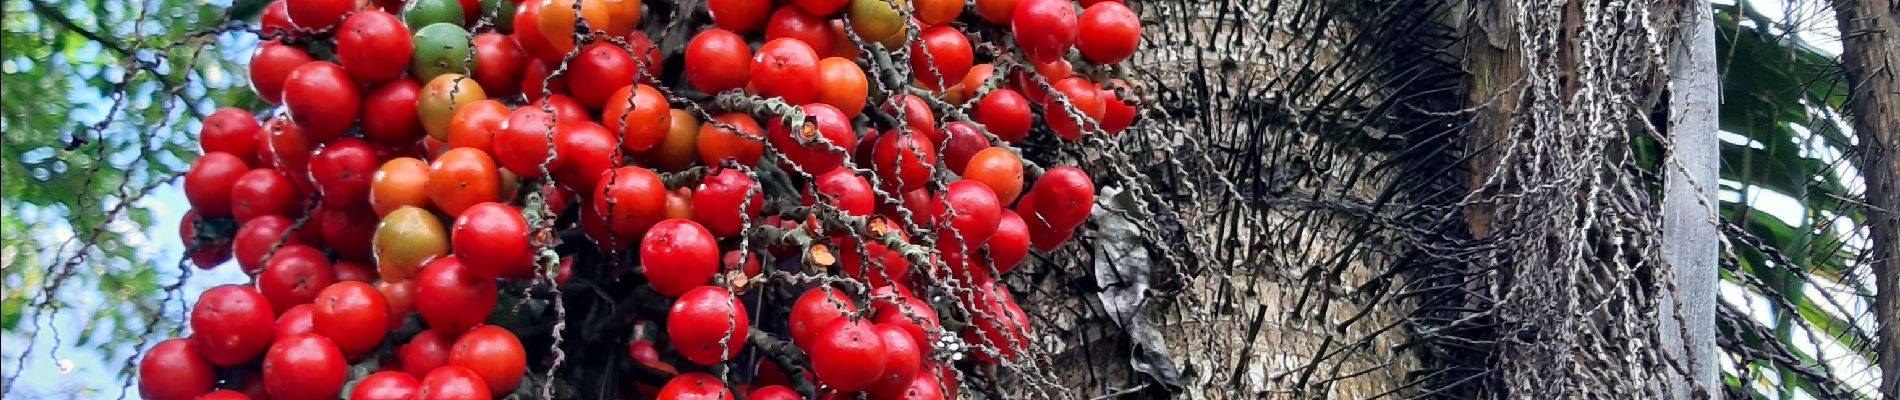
<point>1689,203</point>
<point>1870,32</point>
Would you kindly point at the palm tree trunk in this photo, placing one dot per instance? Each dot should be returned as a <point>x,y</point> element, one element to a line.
<point>1870,32</point>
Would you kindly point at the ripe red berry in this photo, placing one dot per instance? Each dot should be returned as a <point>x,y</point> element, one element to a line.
<point>903,160</point>
<point>453,382</point>
<point>913,315</point>
<point>739,16</point>
<point>255,238</point>
<point>874,263</point>
<point>847,354</point>
<point>1045,29</point>
<point>318,15</point>
<point>708,325</point>
<point>1110,32</point>
<point>718,198</point>
<point>426,352</point>
<point>208,183</point>
<point>304,367</point>
<point>373,45</point>
<point>972,212</point>
<point>231,324</point>
<point>941,56</point>
<point>343,169</point>
<point>1010,243</point>
<point>695,386</point>
<point>262,192</point>
<point>499,63</point>
<point>1004,113</point>
<point>173,370</point>
<point>718,60</point>
<point>294,275</point>
<point>492,240</point>
<point>786,68</point>
<point>843,190</point>
<point>233,131</point>
<point>353,315</point>
<point>271,65</point>
<point>295,321</point>
<point>493,353</point>
<point>603,66</point>
<point>630,200</point>
<point>1064,196</point>
<point>347,231</point>
<point>819,145</point>
<point>639,115</point>
<point>386,385</point>
<point>795,23</point>
<point>206,254</point>
<point>452,298</point>
<point>1117,112</point>
<point>587,152</point>
<point>902,359</point>
<point>814,310</point>
<point>322,99</point>
<point>678,255</point>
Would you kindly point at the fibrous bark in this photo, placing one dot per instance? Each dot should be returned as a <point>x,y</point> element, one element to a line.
<point>1870,38</point>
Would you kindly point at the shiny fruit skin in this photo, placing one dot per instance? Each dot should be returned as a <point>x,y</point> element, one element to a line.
<point>255,237</point>
<point>785,68</point>
<point>442,49</point>
<point>304,367</point>
<point>1006,327</point>
<point>677,151</point>
<point>474,125</point>
<point>233,131</point>
<point>427,351</point>
<point>902,359</point>
<point>603,66</point>
<point>262,192</point>
<point>450,297</point>
<point>1065,196</point>
<point>773,392</point>
<point>1045,29</point>
<point>353,315</point>
<point>1005,113</point>
<point>819,145</point>
<point>962,144</point>
<point>1117,112</point>
<point>442,97</point>
<point>204,254</point>
<point>275,19</point>
<point>294,275</point>
<point>885,266</point>
<point>999,169</point>
<point>742,144</point>
<point>343,169</point>
<point>492,240</point>
<point>352,271</point>
<point>694,386</point>
<point>814,310</point>
<point>386,385</point>
<point>587,151</point>
<point>373,46</point>
<point>843,85</point>
<point>1010,243</point>
<point>679,203</point>
<point>845,191</point>
<point>499,63</point>
<point>971,211</point>
<point>461,178</point>
<point>678,255</point>
<point>522,144</point>
<point>297,320</point>
<point>719,198</point>
<point>903,160</point>
<point>401,297</point>
<point>318,15</point>
<point>639,114</point>
<point>398,183</point>
<point>698,322</point>
<point>913,315</point>
<point>322,99</point>
<point>287,149</point>
<point>917,116</point>
<point>454,382</point>
<point>820,7</point>
<point>528,34</point>
<point>1084,98</point>
<point>208,183</point>
<point>270,67</point>
<point>947,50</point>
<point>718,60</point>
<point>739,16</point>
<point>222,394</point>
<point>631,199</point>
<point>847,354</point>
<point>405,240</point>
<point>173,370</point>
<point>493,353</point>
<point>996,11</point>
<point>1110,32</point>
<point>795,23</point>
<point>389,113</point>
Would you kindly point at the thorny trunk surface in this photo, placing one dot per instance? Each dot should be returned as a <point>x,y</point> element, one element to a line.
<point>1870,36</point>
